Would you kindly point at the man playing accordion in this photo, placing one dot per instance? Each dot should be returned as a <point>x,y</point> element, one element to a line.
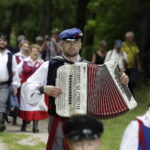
<point>43,81</point>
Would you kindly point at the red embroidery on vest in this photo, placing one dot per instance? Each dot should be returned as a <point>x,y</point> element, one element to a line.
<point>18,59</point>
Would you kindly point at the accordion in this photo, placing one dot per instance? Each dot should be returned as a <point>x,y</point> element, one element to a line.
<point>94,90</point>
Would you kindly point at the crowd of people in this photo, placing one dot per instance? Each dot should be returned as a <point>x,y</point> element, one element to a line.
<point>126,55</point>
<point>27,83</point>
<point>18,65</point>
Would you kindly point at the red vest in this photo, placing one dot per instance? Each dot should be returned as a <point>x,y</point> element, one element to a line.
<point>28,70</point>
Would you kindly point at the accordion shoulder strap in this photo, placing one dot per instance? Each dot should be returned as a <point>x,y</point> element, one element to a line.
<point>54,64</point>
<point>62,59</point>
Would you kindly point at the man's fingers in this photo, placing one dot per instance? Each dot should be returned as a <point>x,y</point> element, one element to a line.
<point>124,79</point>
<point>52,91</point>
<point>56,93</point>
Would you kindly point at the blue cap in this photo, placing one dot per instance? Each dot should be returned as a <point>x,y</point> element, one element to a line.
<point>71,34</point>
<point>83,128</point>
<point>118,43</point>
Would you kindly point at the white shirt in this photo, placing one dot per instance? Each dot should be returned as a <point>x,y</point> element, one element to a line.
<point>4,76</point>
<point>118,57</point>
<point>130,139</point>
<point>30,89</point>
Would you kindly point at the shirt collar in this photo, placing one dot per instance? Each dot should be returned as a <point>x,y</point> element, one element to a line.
<point>78,58</point>
<point>29,59</point>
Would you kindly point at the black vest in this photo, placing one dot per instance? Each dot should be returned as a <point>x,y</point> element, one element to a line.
<point>54,64</point>
<point>9,67</point>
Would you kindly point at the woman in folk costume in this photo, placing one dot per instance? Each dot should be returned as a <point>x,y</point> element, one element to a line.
<point>19,57</point>
<point>25,70</point>
<point>24,51</point>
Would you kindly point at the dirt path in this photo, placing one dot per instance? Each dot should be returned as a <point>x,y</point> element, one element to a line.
<point>3,146</point>
<point>33,139</point>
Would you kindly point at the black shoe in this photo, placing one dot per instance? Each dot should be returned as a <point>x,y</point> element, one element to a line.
<point>35,126</point>
<point>35,130</point>
<point>2,128</point>
<point>6,118</point>
<point>24,125</point>
<point>14,121</point>
<point>23,129</point>
<point>2,122</point>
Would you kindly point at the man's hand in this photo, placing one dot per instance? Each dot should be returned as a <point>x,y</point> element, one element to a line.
<point>52,90</point>
<point>124,79</point>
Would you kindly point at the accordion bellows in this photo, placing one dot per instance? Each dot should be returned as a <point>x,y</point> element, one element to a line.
<point>93,90</point>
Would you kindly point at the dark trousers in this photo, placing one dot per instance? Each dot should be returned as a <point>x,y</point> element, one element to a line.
<point>132,73</point>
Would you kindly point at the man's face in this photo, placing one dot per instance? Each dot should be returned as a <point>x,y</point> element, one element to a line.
<point>84,145</point>
<point>71,48</point>
<point>55,35</point>
<point>118,49</point>
<point>3,44</point>
<point>130,39</point>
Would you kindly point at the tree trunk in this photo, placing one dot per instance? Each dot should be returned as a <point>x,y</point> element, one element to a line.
<point>46,16</point>
<point>81,13</point>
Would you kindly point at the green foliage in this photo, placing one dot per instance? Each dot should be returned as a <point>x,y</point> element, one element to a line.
<point>113,19</point>
<point>91,24</point>
<point>104,20</point>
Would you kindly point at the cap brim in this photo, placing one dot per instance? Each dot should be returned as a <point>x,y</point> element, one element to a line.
<point>118,46</point>
<point>70,40</point>
<point>82,137</point>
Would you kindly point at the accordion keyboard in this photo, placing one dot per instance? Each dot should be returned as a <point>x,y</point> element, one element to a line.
<point>72,79</point>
